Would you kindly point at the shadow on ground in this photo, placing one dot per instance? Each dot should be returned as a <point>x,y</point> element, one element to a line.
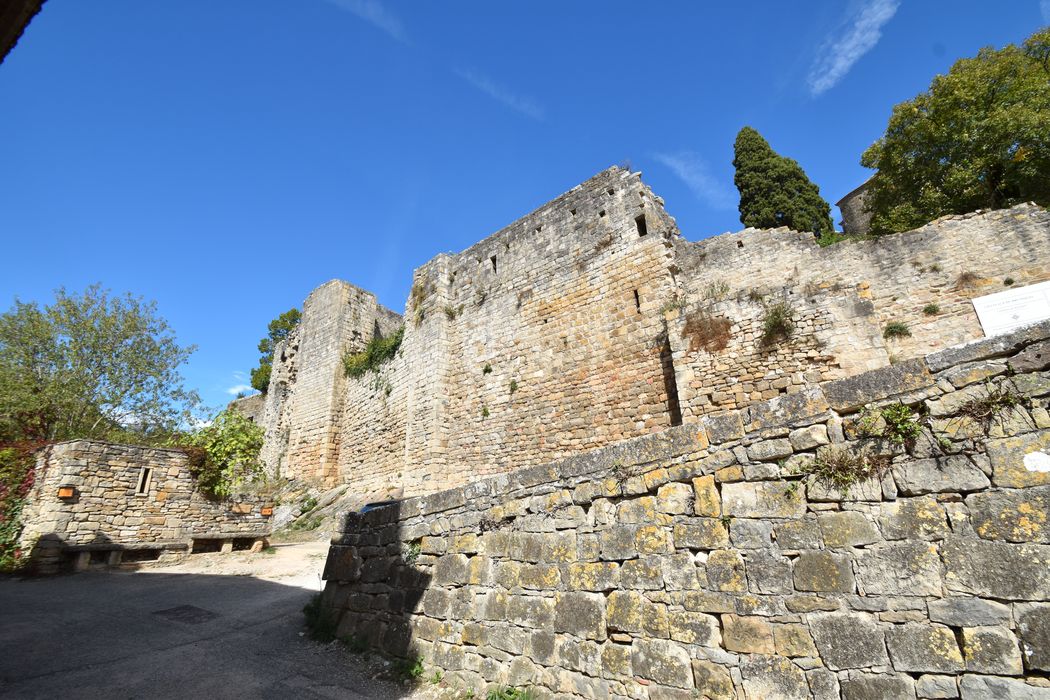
<point>164,635</point>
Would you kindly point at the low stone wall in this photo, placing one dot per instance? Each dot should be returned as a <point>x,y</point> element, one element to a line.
<point>709,561</point>
<point>124,497</point>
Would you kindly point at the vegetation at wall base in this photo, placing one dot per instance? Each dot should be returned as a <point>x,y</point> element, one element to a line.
<point>774,190</point>
<point>976,139</point>
<point>17,474</point>
<point>378,351</point>
<point>320,620</point>
<point>278,331</point>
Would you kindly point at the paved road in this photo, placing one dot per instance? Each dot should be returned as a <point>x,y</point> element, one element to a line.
<point>169,635</point>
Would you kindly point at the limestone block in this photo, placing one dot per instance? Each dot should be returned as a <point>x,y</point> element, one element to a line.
<point>794,640</point>
<point>725,571</point>
<point>848,640</point>
<point>675,499</point>
<point>724,427</point>
<point>918,647</point>
<point>868,686</point>
<point>694,628</point>
<point>580,614</point>
<point>663,662</point>
<point>1033,626</point>
<point>904,568</point>
<point>747,533</point>
<point>629,611</point>
<point>707,502</point>
<point>824,571</point>
<point>951,473</point>
<point>799,534</point>
<point>1022,461</point>
<point>531,611</point>
<point>809,437</point>
<point>679,572</point>
<point>1015,515</point>
<point>642,574</point>
<point>700,533</point>
<point>451,569</point>
<point>766,499</point>
<point>991,650</point>
<point>850,394</point>
<point>712,681</point>
<point>913,518</point>
<point>929,686</point>
<point>749,635</point>
<point>994,687</point>
<point>997,569</point>
<point>769,450</point>
<point>847,529</point>
<point>968,612</point>
<point>596,576</point>
<point>618,542</point>
<point>773,677</point>
<point>768,573</point>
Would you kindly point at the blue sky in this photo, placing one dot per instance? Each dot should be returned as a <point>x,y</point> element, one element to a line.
<point>225,158</point>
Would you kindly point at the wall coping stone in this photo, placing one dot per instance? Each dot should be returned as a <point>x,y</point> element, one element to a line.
<point>998,346</point>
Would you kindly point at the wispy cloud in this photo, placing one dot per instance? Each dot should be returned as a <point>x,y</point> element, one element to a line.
<point>1044,7</point>
<point>375,13</point>
<point>519,103</point>
<point>691,169</point>
<point>239,388</point>
<point>838,54</point>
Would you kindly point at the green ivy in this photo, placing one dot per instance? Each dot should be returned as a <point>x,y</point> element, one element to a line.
<point>17,473</point>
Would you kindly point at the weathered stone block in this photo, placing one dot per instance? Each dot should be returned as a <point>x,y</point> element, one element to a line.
<point>769,450</point>
<point>768,573</point>
<point>866,686</point>
<point>997,569</point>
<point>749,635</point>
<point>802,408</point>
<point>847,529</point>
<point>937,687</point>
<point>748,533</point>
<point>679,572</point>
<point>618,542</point>
<point>700,533</point>
<point>799,534</point>
<point>642,574</point>
<point>662,662</point>
<point>913,518</point>
<point>809,437</point>
<point>596,576</point>
<point>628,611</point>
<point>794,640</point>
<point>1033,626</point>
<point>848,640</point>
<point>905,568</point>
<point>343,564</point>
<point>852,393</point>
<point>995,688</point>
<point>773,677</point>
<point>540,577</point>
<point>580,614</point>
<point>640,511</point>
<point>951,473</point>
<point>616,661</point>
<point>765,499</point>
<point>1015,516</point>
<point>923,648</point>
<point>694,628</point>
<point>724,427</point>
<point>968,612</point>
<point>991,650</point>
<point>713,681</point>
<point>1019,462</point>
<point>707,502</point>
<point>824,571</point>
<point>725,571</point>
<point>531,611</point>
<point>675,499</point>
<point>653,539</point>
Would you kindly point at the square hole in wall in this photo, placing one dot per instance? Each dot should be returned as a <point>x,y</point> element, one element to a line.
<point>640,223</point>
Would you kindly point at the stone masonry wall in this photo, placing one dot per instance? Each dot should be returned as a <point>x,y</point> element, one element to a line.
<point>570,329</point>
<point>107,508</point>
<point>708,560</point>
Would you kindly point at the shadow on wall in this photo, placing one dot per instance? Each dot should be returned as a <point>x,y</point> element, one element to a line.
<point>374,587</point>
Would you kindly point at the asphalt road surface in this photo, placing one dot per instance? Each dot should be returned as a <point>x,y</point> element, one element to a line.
<point>204,630</point>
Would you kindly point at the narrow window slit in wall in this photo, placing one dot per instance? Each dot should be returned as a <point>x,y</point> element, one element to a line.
<point>674,408</point>
<point>640,223</point>
<point>493,261</point>
<point>637,302</point>
<point>144,478</point>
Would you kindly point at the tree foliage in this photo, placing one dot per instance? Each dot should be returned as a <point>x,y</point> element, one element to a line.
<point>279,329</point>
<point>978,138</point>
<point>774,190</point>
<point>228,456</point>
<point>91,365</point>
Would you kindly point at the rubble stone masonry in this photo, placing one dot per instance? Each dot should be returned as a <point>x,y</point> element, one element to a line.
<point>709,561</point>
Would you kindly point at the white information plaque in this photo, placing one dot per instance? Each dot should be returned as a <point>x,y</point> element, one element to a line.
<point>1004,311</point>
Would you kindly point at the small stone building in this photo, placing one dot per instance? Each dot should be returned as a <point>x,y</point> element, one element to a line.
<point>856,220</point>
<point>102,504</point>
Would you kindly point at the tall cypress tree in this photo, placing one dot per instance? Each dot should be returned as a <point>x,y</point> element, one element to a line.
<point>774,190</point>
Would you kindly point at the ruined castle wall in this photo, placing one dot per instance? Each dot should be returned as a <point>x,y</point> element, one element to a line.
<point>708,561</point>
<point>108,506</point>
<point>542,340</point>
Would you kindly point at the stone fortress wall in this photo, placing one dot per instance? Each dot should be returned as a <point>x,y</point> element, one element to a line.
<point>591,321</point>
<point>126,498</point>
<point>705,561</point>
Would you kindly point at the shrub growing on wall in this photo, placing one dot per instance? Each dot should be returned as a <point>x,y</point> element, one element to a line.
<point>224,456</point>
<point>378,351</point>
<point>17,473</point>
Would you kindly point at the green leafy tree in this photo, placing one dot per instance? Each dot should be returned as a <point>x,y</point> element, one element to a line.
<point>978,138</point>
<point>228,456</point>
<point>279,329</point>
<point>91,365</point>
<point>774,190</point>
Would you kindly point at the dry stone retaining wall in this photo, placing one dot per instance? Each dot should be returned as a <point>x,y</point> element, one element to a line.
<point>707,561</point>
